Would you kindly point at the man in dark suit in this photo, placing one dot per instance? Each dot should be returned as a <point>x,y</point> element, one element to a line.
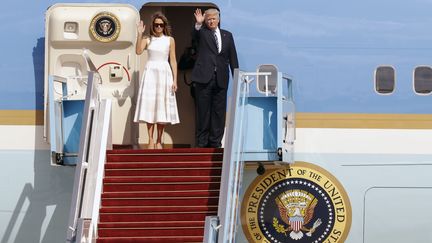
<point>210,75</point>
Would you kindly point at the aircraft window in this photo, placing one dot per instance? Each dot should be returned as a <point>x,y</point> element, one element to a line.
<point>423,80</point>
<point>384,79</point>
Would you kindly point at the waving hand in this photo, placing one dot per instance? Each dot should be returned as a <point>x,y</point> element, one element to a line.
<point>199,17</point>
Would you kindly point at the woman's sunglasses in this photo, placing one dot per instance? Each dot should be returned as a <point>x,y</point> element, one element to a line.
<point>155,25</point>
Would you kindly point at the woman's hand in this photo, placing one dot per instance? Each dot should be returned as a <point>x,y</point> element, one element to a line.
<point>174,87</point>
<point>199,17</point>
<point>140,27</point>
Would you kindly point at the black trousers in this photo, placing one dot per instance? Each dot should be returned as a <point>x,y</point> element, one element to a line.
<point>210,109</point>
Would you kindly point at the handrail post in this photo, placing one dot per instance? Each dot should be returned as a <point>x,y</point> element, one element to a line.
<point>81,167</point>
<point>95,131</point>
<point>211,227</point>
<point>289,123</point>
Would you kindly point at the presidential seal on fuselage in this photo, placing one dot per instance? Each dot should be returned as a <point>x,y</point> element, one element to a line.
<point>105,27</point>
<point>297,203</point>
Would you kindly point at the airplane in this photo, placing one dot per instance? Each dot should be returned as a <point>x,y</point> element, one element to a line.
<point>328,126</point>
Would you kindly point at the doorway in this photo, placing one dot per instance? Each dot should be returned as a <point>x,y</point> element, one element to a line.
<point>182,20</point>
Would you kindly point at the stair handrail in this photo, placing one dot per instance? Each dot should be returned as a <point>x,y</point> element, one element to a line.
<point>95,131</point>
<point>236,152</point>
<point>232,160</point>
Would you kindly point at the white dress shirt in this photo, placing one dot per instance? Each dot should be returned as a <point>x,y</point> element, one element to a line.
<point>218,35</point>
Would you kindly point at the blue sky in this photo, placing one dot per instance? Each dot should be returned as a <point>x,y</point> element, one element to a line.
<point>331,48</point>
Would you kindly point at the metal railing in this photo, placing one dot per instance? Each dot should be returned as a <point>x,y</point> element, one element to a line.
<point>95,131</point>
<point>233,160</point>
<point>238,148</point>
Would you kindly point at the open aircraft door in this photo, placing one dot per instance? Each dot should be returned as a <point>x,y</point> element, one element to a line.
<point>107,32</point>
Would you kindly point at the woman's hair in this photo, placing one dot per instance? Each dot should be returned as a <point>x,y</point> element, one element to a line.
<point>161,16</point>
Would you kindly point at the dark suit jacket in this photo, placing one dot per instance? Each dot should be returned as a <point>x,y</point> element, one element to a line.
<point>209,60</point>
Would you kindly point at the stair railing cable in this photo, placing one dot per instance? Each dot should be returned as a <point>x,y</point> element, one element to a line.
<point>95,129</point>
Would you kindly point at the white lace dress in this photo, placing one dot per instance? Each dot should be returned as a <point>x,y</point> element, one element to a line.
<point>156,101</point>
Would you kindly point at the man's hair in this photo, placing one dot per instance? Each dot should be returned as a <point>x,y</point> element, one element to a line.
<point>211,11</point>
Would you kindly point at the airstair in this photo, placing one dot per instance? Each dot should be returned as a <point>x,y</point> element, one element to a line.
<point>179,195</point>
<point>159,195</point>
<point>169,195</point>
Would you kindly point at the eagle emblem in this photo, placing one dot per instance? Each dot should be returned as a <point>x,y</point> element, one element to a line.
<point>296,209</point>
<point>105,27</point>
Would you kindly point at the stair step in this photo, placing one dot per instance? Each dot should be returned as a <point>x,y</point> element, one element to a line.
<point>161,194</point>
<point>197,201</point>
<point>168,231</point>
<point>149,239</point>
<point>151,224</point>
<point>177,151</point>
<point>164,172</point>
<point>161,158</point>
<point>168,216</point>
<point>164,179</point>
<point>165,165</point>
<point>155,209</point>
<point>160,187</point>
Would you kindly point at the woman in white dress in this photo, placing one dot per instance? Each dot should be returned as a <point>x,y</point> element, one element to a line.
<point>156,97</point>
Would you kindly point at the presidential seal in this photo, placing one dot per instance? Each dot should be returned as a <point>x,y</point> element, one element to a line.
<point>298,203</point>
<point>105,27</point>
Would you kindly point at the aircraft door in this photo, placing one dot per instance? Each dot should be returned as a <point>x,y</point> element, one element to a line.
<point>108,33</point>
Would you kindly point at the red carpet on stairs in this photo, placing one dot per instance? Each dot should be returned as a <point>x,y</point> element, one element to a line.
<point>159,195</point>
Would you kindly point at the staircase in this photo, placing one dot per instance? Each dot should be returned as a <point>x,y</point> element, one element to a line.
<point>159,195</point>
